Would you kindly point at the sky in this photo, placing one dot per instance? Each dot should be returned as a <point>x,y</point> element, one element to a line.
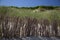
<point>28,3</point>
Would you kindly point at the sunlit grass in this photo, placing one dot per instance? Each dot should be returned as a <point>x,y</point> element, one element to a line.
<point>48,14</point>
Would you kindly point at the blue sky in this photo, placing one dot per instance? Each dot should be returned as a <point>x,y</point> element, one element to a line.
<point>25,3</point>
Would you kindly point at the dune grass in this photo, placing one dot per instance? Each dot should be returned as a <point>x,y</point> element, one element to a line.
<point>22,12</point>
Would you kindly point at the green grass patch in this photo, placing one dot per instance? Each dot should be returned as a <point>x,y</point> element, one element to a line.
<point>24,12</point>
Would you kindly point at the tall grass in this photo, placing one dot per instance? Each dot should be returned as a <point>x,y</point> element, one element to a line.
<point>24,12</point>
<point>50,15</point>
